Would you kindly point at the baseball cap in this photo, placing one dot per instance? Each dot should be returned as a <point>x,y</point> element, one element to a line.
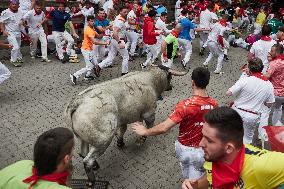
<point>14,1</point>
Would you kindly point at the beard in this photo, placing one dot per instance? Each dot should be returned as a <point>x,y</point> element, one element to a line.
<point>215,156</point>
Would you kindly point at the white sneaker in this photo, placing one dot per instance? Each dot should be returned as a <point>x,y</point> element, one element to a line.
<point>32,57</point>
<point>218,72</point>
<point>45,60</point>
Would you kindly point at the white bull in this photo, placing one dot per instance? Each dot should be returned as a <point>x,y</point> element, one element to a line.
<point>105,109</point>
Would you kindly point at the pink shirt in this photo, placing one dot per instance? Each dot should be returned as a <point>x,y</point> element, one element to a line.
<point>276,70</point>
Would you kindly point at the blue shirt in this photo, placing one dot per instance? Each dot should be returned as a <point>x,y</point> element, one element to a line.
<point>161,9</point>
<point>103,23</point>
<point>187,25</point>
<point>59,19</point>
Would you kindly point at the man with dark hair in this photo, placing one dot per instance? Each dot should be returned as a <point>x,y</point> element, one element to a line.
<point>162,26</point>
<point>102,27</point>
<point>280,36</point>
<point>252,94</point>
<point>229,163</point>
<point>150,38</point>
<point>89,41</point>
<point>275,73</point>
<point>260,49</point>
<point>188,114</point>
<point>53,152</point>
<point>117,44</point>
<point>59,20</point>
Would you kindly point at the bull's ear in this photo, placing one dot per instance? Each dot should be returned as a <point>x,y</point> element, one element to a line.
<point>162,67</point>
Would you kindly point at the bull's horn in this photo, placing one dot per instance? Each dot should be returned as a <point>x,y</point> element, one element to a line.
<point>177,73</point>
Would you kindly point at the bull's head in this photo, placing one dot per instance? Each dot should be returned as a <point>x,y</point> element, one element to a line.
<point>170,73</point>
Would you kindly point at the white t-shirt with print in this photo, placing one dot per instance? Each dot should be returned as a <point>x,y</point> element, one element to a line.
<point>206,18</point>
<point>120,23</point>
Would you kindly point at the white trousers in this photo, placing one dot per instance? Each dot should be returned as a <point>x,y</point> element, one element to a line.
<point>43,43</point>
<point>203,38</point>
<point>63,36</point>
<point>90,61</point>
<point>114,47</point>
<point>215,50</point>
<point>14,39</point>
<point>186,49</point>
<point>151,54</point>
<point>4,73</point>
<point>277,113</point>
<point>132,38</point>
<point>160,40</point>
<point>99,50</point>
<point>191,161</point>
<point>250,123</point>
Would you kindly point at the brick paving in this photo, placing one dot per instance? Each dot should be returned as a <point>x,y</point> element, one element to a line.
<point>34,98</point>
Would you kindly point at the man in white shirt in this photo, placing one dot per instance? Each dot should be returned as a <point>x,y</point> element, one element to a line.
<point>26,5</point>
<point>108,5</point>
<point>117,44</point>
<point>162,26</point>
<point>177,9</point>
<point>131,33</point>
<point>86,11</point>
<point>206,19</point>
<point>260,49</point>
<point>35,18</point>
<point>252,94</point>
<point>11,23</point>
<point>216,43</point>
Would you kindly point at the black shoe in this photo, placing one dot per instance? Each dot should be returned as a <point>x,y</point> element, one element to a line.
<point>51,51</point>
<point>201,53</point>
<point>226,57</point>
<point>64,60</point>
<point>142,66</point>
<point>131,58</point>
<point>122,74</point>
<point>97,71</point>
<point>73,79</point>
<point>88,78</point>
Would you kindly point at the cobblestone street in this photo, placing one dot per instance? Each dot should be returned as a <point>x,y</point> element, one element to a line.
<point>34,98</point>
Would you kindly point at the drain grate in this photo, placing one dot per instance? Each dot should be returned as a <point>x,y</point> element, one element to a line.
<point>82,184</point>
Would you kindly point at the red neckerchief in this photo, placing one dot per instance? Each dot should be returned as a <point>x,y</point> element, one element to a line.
<point>265,38</point>
<point>60,178</point>
<point>225,176</point>
<point>101,18</point>
<point>260,76</point>
<point>280,56</point>
<point>223,22</point>
<point>174,33</point>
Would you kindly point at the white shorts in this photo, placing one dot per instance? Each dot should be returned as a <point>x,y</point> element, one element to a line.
<point>191,161</point>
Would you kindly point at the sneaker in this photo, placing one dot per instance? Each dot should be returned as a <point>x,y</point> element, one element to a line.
<point>183,64</point>
<point>226,57</point>
<point>20,61</point>
<point>97,71</point>
<point>32,57</point>
<point>16,64</point>
<point>201,53</point>
<point>88,78</point>
<point>122,74</point>
<point>218,72</point>
<point>73,79</point>
<point>74,60</point>
<point>143,66</point>
<point>205,65</point>
<point>131,58</point>
<point>45,60</point>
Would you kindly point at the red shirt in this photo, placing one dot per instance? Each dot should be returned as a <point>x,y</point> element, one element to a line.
<point>189,114</point>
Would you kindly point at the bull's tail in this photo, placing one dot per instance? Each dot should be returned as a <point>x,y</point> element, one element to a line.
<point>70,109</point>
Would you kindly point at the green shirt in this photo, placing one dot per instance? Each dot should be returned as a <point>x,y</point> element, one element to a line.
<point>274,24</point>
<point>12,177</point>
<point>172,45</point>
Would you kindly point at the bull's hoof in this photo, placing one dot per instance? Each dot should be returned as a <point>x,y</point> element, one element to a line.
<point>140,141</point>
<point>120,143</point>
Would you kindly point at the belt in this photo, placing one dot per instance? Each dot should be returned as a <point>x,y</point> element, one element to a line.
<point>249,111</point>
